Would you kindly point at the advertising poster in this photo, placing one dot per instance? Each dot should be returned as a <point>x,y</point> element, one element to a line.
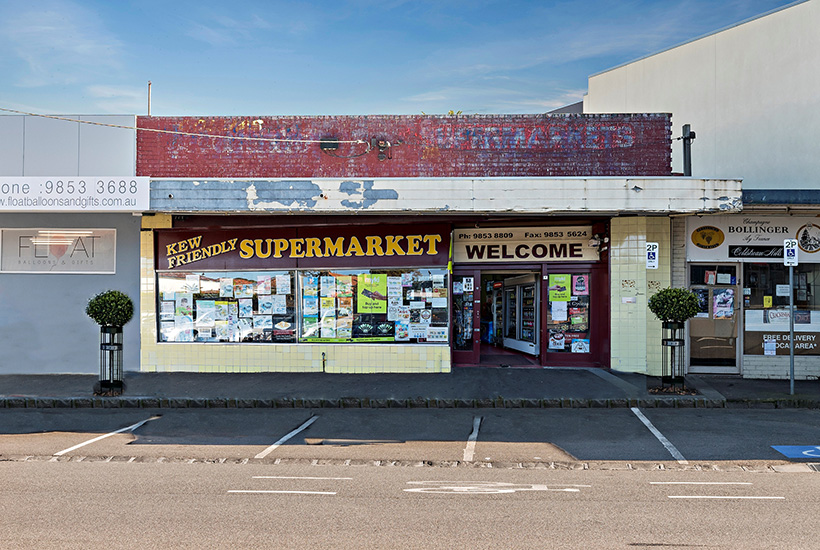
<point>344,285</point>
<point>372,293</point>
<point>723,303</point>
<point>192,283</point>
<point>284,329</point>
<point>328,285</point>
<point>283,284</point>
<point>436,334</point>
<point>166,312</point>
<point>310,327</point>
<point>246,307</point>
<point>262,284</point>
<point>703,302</point>
<point>205,313</point>
<point>310,305</point>
<point>243,290</point>
<point>184,304</point>
<point>580,285</point>
<point>580,345</point>
<point>559,288</point>
<point>226,288</point>
<point>310,285</point>
<point>265,306</point>
<point>280,305</point>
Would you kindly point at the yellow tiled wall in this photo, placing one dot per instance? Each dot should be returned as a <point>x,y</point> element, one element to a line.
<point>636,333</point>
<point>213,357</point>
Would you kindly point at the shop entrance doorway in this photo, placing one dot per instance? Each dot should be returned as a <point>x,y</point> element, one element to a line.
<point>496,319</point>
<point>713,332</point>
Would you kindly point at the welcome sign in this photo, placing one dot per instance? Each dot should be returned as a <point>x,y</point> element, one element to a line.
<point>524,244</point>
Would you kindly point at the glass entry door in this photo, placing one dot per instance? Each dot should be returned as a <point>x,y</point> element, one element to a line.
<point>713,331</point>
<point>466,321</point>
<point>521,314</point>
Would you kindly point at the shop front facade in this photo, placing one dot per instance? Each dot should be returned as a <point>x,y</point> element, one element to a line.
<point>735,266</point>
<point>68,195</point>
<point>443,242</point>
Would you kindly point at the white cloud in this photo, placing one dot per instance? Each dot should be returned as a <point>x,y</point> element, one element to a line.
<point>59,42</point>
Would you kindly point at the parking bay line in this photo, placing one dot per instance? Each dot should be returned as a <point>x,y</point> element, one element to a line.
<point>304,477</point>
<point>283,492</point>
<point>723,497</point>
<point>665,442</point>
<point>469,450</point>
<point>130,428</point>
<point>273,447</point>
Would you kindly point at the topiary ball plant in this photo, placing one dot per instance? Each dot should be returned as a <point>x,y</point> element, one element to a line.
<point>674,305</point>
<point>110,308</point>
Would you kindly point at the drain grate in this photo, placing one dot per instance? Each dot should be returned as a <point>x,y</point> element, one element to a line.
<point>814,466</point>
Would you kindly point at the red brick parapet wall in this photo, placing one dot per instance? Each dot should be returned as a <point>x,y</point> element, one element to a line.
<point>420,146</point>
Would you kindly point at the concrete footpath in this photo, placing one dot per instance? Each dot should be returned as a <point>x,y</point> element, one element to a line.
<point>464,387</point>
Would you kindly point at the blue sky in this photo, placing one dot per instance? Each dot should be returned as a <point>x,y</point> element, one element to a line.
<point>341,57</point>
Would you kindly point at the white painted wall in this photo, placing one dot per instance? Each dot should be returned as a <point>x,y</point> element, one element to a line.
<point>751,93</point>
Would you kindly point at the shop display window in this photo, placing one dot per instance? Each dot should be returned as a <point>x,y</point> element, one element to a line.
<point>399,305</point>
<point>766,309</point>
<point>568,310</point>
<point>227,306</point>
<point>409,305</point>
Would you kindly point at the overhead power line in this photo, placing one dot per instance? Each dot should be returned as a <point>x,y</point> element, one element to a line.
<point>181,133</point>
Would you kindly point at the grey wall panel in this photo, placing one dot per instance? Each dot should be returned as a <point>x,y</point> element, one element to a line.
<point>43,325</point>
<point>11,145</point>
<point>51,147</point>
<point>106,151</point>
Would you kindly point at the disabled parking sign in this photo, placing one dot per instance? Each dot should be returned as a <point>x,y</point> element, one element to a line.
<point>797,451</point>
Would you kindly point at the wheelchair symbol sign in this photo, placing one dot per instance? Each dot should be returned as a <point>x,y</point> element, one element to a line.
<point>797,451</point>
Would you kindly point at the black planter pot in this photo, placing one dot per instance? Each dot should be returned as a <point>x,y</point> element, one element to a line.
<point>110,361</point>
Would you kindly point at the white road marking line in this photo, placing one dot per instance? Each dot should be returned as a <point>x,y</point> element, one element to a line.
<point>469,450</point>
<point>130,428</point>
<point>699,483</point>
<point>665,442</point>
<point>301,477</point>
<point>273,447</point>
<point>725,497</point>
<point>286,492</point>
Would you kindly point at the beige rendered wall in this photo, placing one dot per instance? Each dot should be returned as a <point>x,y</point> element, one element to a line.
<point>636,333</point>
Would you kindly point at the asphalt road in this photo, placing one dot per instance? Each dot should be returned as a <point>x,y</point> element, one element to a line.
<point>111,505</point>
<point>431,436</point>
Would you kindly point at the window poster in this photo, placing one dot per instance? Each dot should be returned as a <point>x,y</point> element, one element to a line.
<point>458,288</point>
<point>407,279</point>
<point>166,311</point>
<point>557,340</point>
<point>559,288</point>
<point>418,331</point>
<point>344,306</point>
<point>310,327</point>
<point>167,331</point>
<point>205,313</point>
<point>264,305</point>
<point>222,329</point>
<point>328,284</point>
<point>283,283</point>
<point>168,295</point>
<point>310,285</point>
<point>192,283</point>
<point>262,322</point>
<point>344,285</point>
<point>184,328</point>
<point>580,345</point>
<point>723,303</point>
<point>702,295</point>
<point>242,289</point>
<point>226,288</point>
<point>580,285</point>
<point>263,284</point>
<point>328,305</point>
<point>184,305</point>
<point>558,311</point>
<point>372,293</point>
<point>469,284</point>
<point>436,334</point>
<point>402,331</point>
<point>246,307</point>
<point>310,305</point>
<point>279,304</point>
